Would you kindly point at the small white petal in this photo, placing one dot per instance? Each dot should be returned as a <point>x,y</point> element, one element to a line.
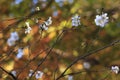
<point>28,28</point>
<point>37,8</point>
<point>30,74</point>
<point>20,53</point>
<point>86,65</point>
<point>115,69</point>
<point>75,20</point>
<point>49,21</point>
<point>43,26</point>
<point>14,36</point>
<point>39,74</point>
<point>11,42</point>
<point>27,24</point>
<point>14,73</point>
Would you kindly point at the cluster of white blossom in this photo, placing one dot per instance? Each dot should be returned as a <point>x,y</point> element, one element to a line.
<point>28,28</point>
<point>115,69</point>
<point>44,26</point>
<point>76,20</point>
<point>20,53</point>
<point>13,37</point>
<point>101,20</point>
<point>38,74</point>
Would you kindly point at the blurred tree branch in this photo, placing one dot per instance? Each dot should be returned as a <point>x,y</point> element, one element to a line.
<point>86,55</point>
<point>9,73</point>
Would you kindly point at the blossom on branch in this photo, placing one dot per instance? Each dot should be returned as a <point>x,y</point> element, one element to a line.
<point>20,53</point>
<point>28,28</point>
<point>44,26</point>
<point>101,20</point>
<point>49,21</point>
<point>39,74</point>
<point>86,65</point>
<point>10,42</point>
<point>37,8</point>
<point>13,37</point>
<point>14,73</point>
<point>115,69</point>
<point>31,72</point>
<point>76,20</point>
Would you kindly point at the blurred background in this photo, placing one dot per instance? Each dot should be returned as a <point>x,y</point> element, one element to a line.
<point>74,42</point>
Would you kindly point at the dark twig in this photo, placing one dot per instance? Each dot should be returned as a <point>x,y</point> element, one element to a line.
<point>43,60</point>
<point>86,55</point>
<point>9,73</point>
<point>27,64</point>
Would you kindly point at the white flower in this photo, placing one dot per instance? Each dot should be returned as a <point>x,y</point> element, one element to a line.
<point>45,25</point>
<point>86,65</point>
<point>76,20</point>
<point>31,72</point>
<point>14,73</point>
<point>28,28</point>
<point>39,74</point>
<point>20,53</point>
<point>36,20</point>
<point>14,36</point>
<point>101,20</point>
<point>10,42</point>
<point>115,69</point>
<point>37,8</point>
<point>49,21</point>
<point>70,77</point>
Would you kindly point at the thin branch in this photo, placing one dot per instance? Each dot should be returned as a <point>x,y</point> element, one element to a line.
<point>74,73</point>
<point>27,64</point>
<point>10,74</point>
<point>55,71</point>
<point>88,54</point>
<point>43,60</point>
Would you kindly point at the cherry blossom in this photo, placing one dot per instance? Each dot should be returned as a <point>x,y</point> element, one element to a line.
<point>101,20</point>
<point>76,20</point>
